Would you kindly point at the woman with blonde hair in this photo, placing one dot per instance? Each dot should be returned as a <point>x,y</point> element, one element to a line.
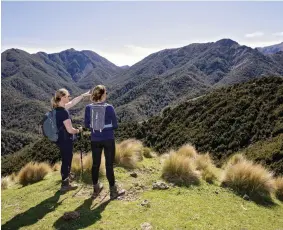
<point>61,103</point>
<point>100,117</point>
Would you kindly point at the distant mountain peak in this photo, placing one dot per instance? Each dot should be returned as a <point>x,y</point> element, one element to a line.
<point>125,67</point>
<point>69,50</point>
<point>226,42</point>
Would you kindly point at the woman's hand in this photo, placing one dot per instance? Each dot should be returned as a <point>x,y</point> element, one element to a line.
<point>87,94</point>
<point>80,128</point>
<point>76,100</point>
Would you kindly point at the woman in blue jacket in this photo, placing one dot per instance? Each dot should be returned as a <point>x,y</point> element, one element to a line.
<point>102,139</point>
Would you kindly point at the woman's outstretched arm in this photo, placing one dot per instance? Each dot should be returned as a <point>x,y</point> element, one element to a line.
<point>76,100</point>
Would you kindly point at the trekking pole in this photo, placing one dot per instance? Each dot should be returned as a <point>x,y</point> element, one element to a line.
<point>82,160</point>
<point>81,150</point>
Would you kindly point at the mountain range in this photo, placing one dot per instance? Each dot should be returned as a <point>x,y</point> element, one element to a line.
<point>164,78</point>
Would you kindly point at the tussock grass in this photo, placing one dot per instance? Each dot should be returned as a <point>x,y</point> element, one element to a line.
<point>33,172</point>
<point>279,187</point>
<point>128,153</point>
<point>148,153</point>
<point>56,167</point>
<point>187,150</point>
<point>246,177</point>
<point>180,170</point>
<point>4,183</point>
<point>187,162</point>
<point>234,160</point>
<point>205,164</point>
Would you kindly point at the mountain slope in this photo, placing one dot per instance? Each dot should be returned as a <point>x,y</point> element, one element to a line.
<point>221,122</point>
<point>85,67</point>
<point>187,72</point>
<point>271,49</point>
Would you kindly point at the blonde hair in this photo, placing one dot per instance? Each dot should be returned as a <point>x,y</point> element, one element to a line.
<point>57,97</point>
<point>97,92</point>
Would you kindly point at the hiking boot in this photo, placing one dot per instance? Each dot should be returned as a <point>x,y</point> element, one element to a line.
<point>115,192</point>
<point>96,190</point>
<point>66,186</point>
<point>72,177</point>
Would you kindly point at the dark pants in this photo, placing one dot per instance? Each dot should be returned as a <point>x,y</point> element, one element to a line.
<point>66,150</point>
<point>109,152</point>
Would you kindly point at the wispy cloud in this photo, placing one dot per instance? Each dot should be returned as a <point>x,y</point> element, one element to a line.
<point>278,34</point>
<point>254,35</point>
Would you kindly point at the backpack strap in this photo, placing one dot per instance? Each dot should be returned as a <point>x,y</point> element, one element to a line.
<point>54,116</point>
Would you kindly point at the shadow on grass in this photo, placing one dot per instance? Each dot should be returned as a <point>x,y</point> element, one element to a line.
<point>89,215</point>
<point>34,214</point>
<point>259,198</point>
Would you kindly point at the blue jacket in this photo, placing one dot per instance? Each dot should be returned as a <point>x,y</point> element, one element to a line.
<point>110,117</point>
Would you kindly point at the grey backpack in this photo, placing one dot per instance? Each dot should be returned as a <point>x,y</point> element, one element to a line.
<point>49,126</point>
<point>97,117</point>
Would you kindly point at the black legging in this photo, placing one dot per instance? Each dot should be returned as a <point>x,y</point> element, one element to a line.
<point>66,150</point>
<point>109,152</point>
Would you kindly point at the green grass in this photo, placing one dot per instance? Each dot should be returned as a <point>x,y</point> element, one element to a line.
<point>40,206</point>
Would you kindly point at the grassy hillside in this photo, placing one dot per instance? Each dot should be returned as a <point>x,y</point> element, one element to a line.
<point>208,206</point>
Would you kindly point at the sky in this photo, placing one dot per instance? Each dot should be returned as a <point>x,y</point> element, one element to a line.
<point>126,32</point>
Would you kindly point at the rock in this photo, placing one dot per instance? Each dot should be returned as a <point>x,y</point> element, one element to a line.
<point>145,203</point>
<point>71,215</point>
<point>134,174</point>
<point>146,226</point>
<point>172,185</point>
<point>160,185</point>
<point>246,197</point>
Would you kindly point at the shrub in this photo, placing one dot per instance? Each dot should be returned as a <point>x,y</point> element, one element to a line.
<point>279,187</point>
<point>180,170</point>
<point>133,145</point>
<point>247,177</point>
<point>13,177</point>
<point>235,159</point>
<point>128,153</point>
<point>33,172</point>
<point>205,165</point>
<point>56,166</point>
<point>187,150</point>
<point>148,153</point>
<point>4,183</point>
